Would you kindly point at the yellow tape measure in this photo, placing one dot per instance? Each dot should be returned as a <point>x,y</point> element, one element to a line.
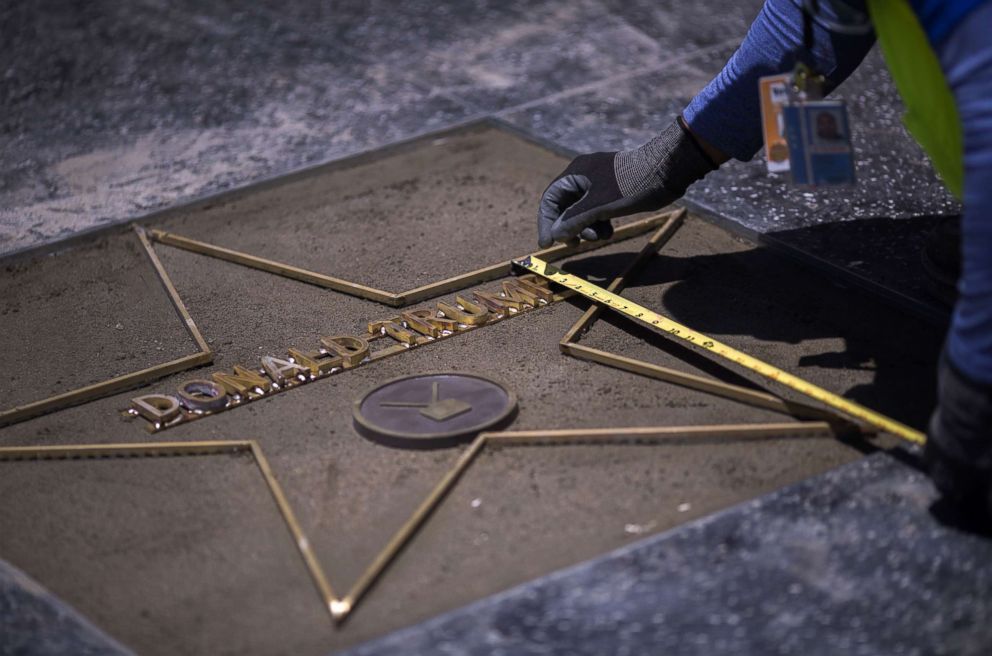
<point>644,315</point>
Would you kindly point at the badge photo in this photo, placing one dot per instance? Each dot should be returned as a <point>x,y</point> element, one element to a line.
<point>819,136</point>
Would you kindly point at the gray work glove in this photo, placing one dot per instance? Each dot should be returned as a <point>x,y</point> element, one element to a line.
<point>597,187</point>
<point>958,452</point>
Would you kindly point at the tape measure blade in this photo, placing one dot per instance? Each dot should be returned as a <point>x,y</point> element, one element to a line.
<point>672,328</point>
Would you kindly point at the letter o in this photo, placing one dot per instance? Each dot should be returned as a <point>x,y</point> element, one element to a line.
<point>203,396</point>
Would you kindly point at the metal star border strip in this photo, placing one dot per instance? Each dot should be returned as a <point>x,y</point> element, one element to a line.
<point>341,606</point>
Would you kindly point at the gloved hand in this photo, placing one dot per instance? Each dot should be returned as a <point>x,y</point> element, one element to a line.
<point>597,187</point>
<point>958,451</point>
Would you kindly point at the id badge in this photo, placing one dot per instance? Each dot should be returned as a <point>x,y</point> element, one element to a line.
<point>774,93</point>
<point>819,138</point>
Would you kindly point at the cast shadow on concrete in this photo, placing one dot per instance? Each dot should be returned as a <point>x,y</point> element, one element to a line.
<point>760,294</point>
<point>879,253</point>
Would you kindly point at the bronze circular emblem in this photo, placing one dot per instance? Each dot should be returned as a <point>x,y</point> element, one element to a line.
<point>433,410</point>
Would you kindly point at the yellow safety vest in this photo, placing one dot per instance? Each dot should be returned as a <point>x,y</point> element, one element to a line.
<point>931,112</point>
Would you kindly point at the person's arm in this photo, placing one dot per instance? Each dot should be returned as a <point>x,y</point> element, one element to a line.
<point>727,112</point>
<point>959,442</point>
<point>722,121</point>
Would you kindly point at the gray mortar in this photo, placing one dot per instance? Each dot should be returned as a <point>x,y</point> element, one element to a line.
<point>188,555</point>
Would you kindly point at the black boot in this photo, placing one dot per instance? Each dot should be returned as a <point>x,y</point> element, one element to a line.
<point>958,451</point>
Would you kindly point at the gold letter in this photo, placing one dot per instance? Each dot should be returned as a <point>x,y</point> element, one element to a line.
<point>465,312</point>
<point>497,303</point>
<point>537,285</point>
<point>352,350</point>
<point>243,382</point>
<point>277,368</point>
<point>416,318</point>
<point>517,295</point>
<point>203,396</point>
<point>318,363</point>
<point>521,292</point>
<point>156,408</point>
<point>392,328</point>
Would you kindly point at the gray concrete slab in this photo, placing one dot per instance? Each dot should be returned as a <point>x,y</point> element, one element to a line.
<point>395,219</point>
<point>849,562</point>
<point>100,305</point>
<point>187,554</point>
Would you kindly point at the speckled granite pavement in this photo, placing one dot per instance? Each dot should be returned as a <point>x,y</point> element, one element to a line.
<point>850,562</point>
<point>113,110</point>
<point>33,621</point>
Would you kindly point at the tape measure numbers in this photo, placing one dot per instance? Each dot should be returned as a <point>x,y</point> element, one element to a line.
<point>653,319</point>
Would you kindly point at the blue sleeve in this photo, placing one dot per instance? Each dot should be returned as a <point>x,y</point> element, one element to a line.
<point>966,57</point>
<point>727,113</point>
<point>940,17</point>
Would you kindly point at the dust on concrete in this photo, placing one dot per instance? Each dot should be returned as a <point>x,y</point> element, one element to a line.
<point>398,218</point>
<point>83,314</point>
